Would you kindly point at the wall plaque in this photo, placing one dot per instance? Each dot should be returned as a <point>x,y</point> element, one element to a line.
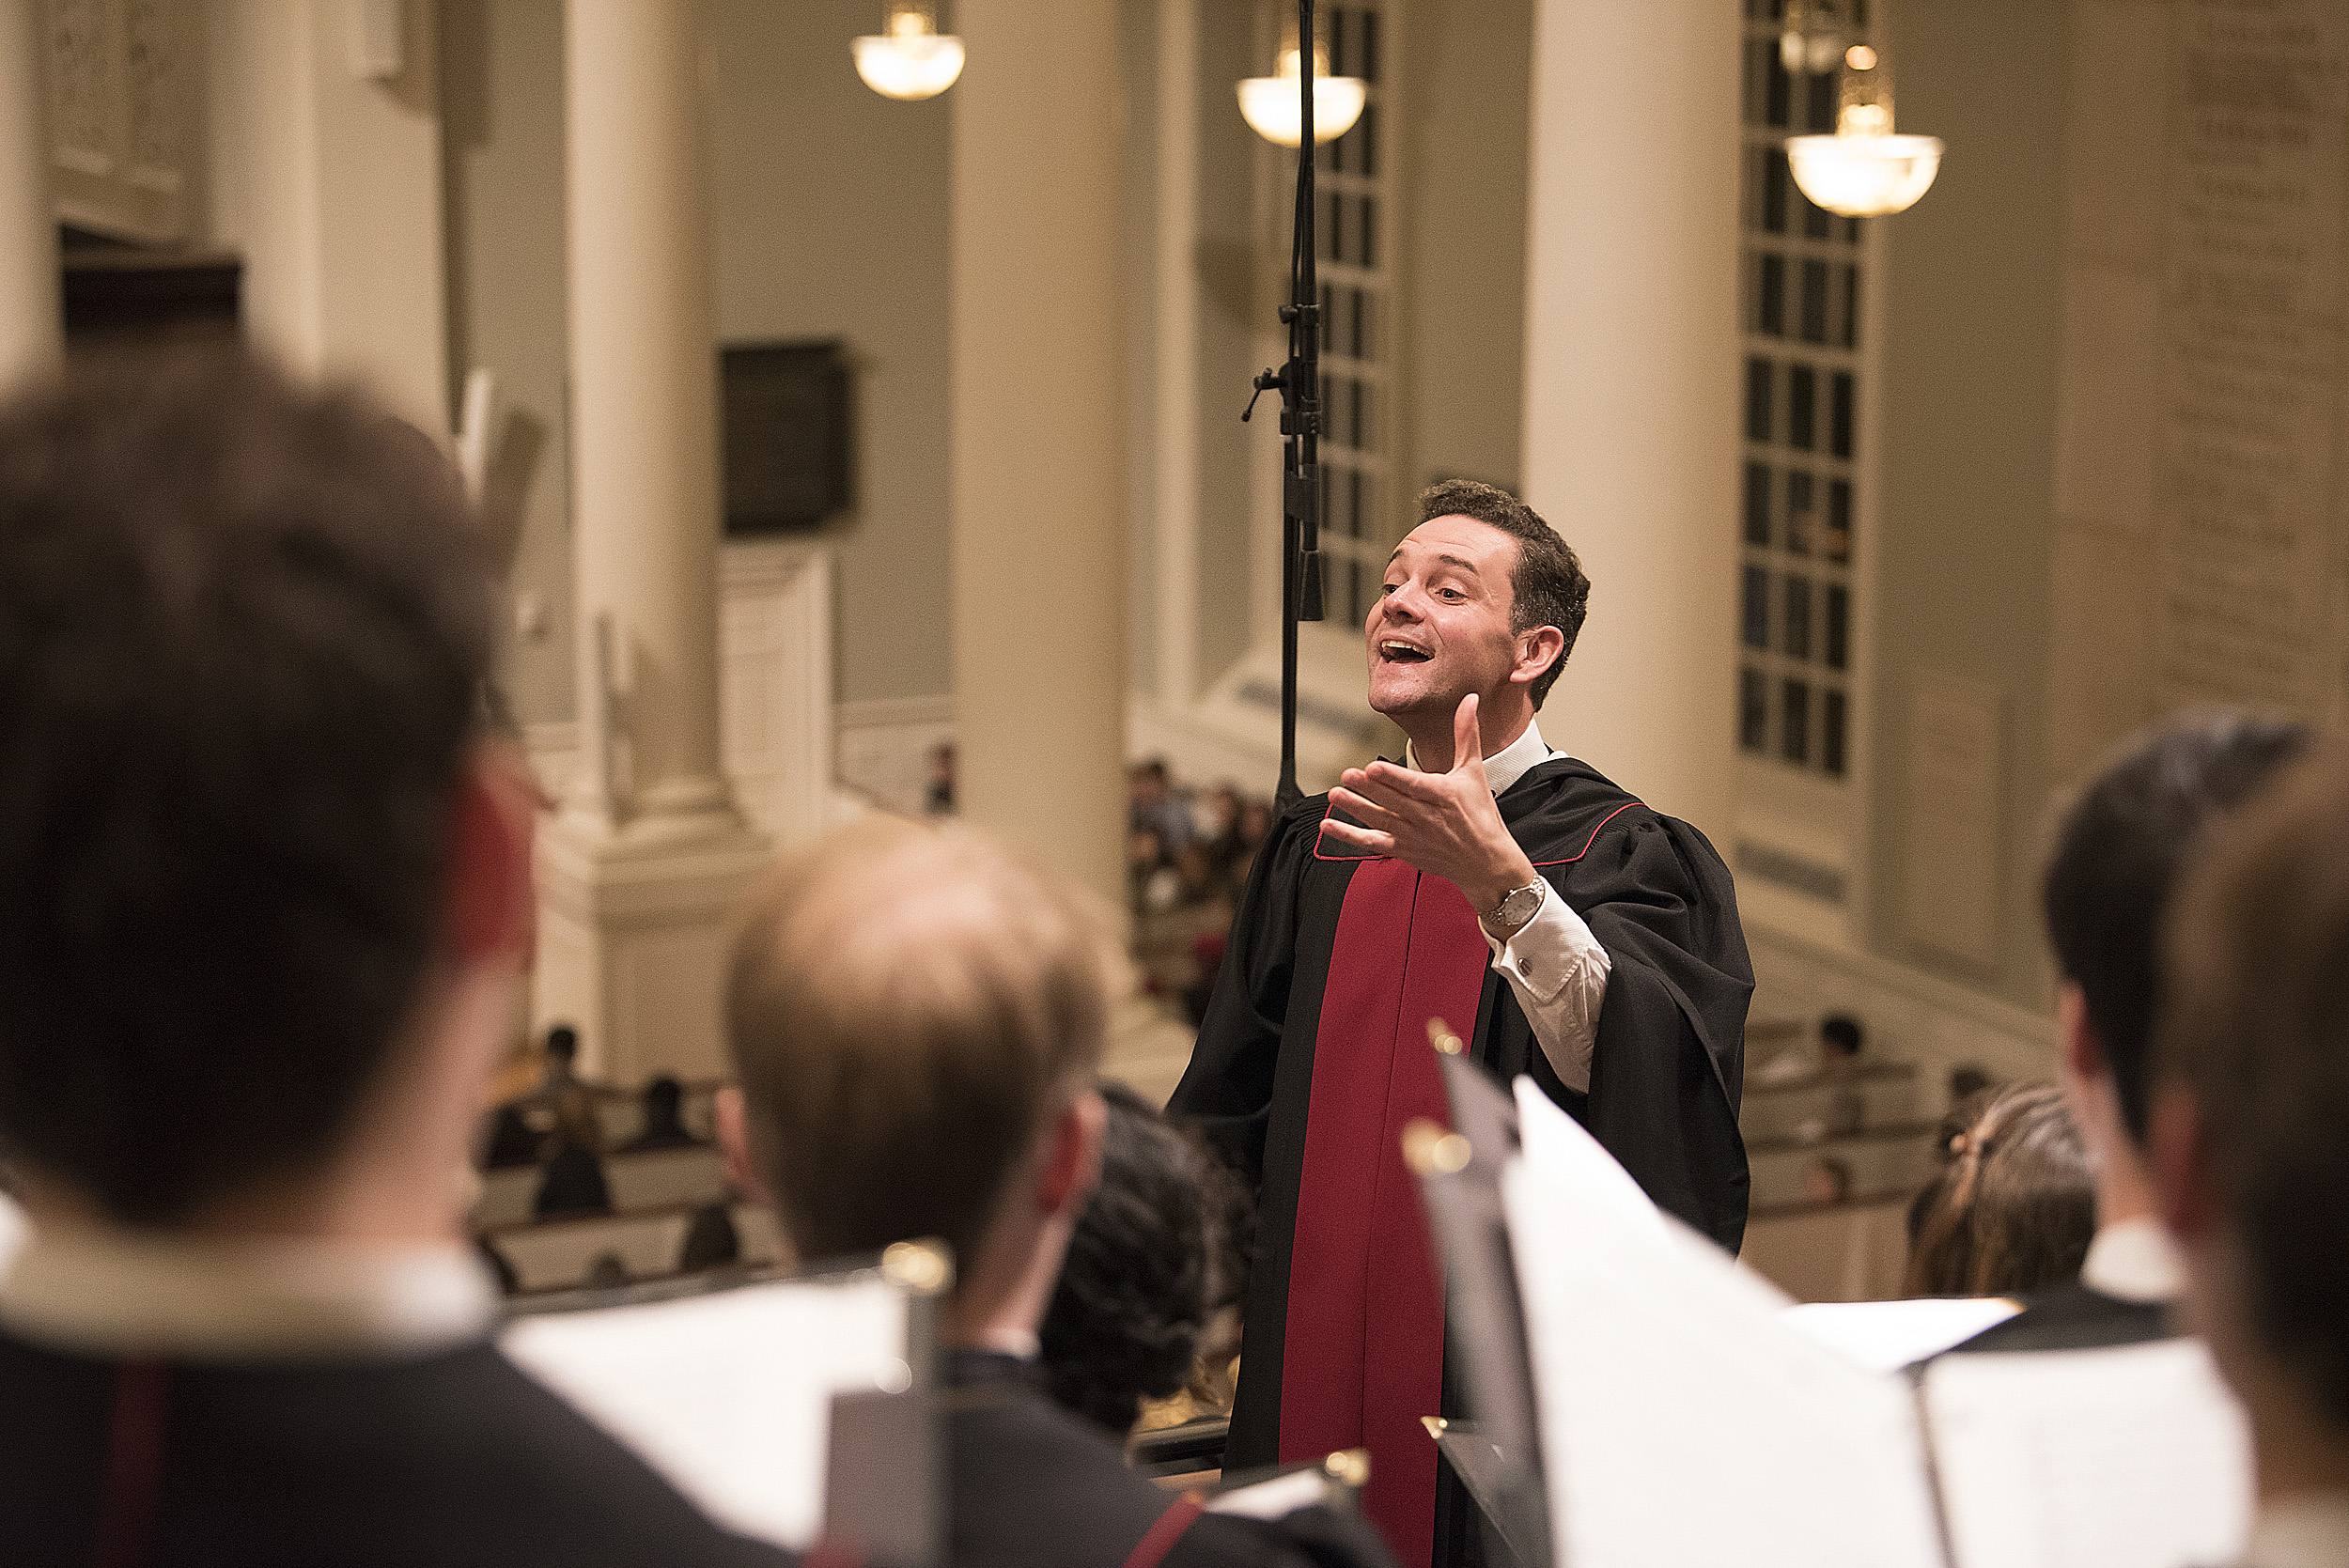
<point>2248,522</point>
<point>787,438</point>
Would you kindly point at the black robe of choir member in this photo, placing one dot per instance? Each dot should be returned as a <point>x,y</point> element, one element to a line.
<point>2074,1316</point>
<point>1036,1486</point>
<point>452,1457</point>
<point>1314,1055</point>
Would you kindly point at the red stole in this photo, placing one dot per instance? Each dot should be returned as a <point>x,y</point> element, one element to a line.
<point>1363,1358</point>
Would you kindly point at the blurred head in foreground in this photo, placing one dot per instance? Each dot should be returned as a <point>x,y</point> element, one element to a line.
<point>916,1019</point>
<point>264,889</point>
<point>2013,1205</point>
<point>2248,1130</point>
<point>2119,849</point>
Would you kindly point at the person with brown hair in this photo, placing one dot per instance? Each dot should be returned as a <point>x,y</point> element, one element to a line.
<point>1572,933</point>
<point>265,912</point>
<point>2118,848</point>
<point>2247,1147</point>
<point>917,1021</point>
<point>2013,1205</point>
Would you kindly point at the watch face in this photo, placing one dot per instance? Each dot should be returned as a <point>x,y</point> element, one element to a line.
<point>1519,906</point>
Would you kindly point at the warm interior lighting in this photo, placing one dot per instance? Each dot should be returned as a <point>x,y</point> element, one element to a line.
<point>1864,170</point>
<point>910,59</point>
<point>1812,35</point>
<point>1273,110</point>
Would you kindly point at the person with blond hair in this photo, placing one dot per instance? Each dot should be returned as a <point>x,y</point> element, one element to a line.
<point>917,1020</point>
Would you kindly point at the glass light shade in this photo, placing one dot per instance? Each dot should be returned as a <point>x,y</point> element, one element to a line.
<point>1859,176</point>
<point>1272,110</point>
<point>912,60</point>
<point>1864,170</point>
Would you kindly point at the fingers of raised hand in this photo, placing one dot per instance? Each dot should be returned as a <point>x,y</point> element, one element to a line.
<point>1363,806</point>
<point>1358,838</point>
<point>1384,780</point>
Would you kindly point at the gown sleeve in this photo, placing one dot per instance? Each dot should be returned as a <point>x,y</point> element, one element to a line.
<point>1668,1062</point>
<point>1227,1089</point>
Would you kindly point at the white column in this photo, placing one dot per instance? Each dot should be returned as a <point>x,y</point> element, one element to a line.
<point>31,329</point>
<point>640,870</point>
<point>329,182</point>
<point>1176,577</point>
<point>1631,383</point>
<point>1039,550</point>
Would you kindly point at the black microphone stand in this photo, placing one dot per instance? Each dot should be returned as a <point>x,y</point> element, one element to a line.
<point>1298,383</point>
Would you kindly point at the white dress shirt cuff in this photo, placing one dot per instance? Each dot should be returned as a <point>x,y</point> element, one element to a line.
<point>1558,972</point>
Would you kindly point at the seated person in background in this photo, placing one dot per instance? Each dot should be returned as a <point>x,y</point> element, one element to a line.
<point>711,1241</point>
<point>1826,1180</point>
<point>883,1099</point>
<point>573,1181</point>
<point>1130,1312</point>
<point>265,906</point>
<point>2119,847</point>
<point>572,1186</point>
<point>664,1118</point>
<point>2247,1147</point>
<point>562,1060</point>
<point>510,1143</point>
<point>2014,1208</point>
<point>563,1106</point>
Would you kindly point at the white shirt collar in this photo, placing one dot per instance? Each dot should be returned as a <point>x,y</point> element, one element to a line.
<point>111,1293</point>
<point>1509,764</point>
<point>1019,1343</point>
<point>2311,1532</point>
<point>2135,1259</point>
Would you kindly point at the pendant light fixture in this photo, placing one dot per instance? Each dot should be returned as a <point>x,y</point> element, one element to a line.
<point>909,59</point>
<point>1272,106</point>
<point>1864,170</point>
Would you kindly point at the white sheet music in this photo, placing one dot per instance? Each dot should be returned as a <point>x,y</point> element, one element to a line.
<point>1555,1143</point>
<point>1886,1336</point>
<point>729,1395</point>
<point>1683,1425</point>
<point>2133,1457</point>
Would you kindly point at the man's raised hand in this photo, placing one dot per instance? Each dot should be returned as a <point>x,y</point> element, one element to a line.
<point>1445,824</point>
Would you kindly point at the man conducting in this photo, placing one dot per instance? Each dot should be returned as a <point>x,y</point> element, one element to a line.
<point>1492,883</point>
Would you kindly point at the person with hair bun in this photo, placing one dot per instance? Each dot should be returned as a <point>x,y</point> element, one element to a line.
<point>2013,1206</point>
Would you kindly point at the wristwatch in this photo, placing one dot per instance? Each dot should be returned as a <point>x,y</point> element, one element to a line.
<point>1519,906</point>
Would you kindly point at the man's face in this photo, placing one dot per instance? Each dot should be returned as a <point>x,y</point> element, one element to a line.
<point>1440,628</point>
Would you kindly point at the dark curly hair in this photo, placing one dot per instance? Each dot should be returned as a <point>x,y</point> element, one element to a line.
<point>1150,1264</point>
<point>1546,587</point>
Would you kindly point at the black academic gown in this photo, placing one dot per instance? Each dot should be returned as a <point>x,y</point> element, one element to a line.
<point>2072,1317</point>
<point>454,1458</point>
<point>1314,1055</point>
<point>1036,1486</point>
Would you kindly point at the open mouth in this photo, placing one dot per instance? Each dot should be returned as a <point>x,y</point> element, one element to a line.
<point>1402,653</point>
